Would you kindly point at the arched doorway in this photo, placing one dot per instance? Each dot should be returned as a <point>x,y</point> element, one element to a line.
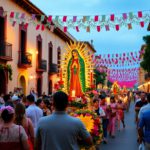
<point>39,86</point>
<point>3,84</point>
<point>22,82</point>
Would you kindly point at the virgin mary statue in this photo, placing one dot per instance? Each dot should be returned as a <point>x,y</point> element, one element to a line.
<point>76,75</point>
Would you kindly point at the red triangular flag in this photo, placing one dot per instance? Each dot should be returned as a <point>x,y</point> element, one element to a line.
<point>65,29</point>
<point>26,25</point>
<point>96,18</point>
<point>12,15</point>
<point>37,27</point>
<point>140,14</point>
<point>77,29</point>
<point>64,18</point>
<point>49,19</point>
<point>112,17</point>
<point>98,28</point>
<point>142,24</point>
<point>117,27</point>
<point>43,27</point>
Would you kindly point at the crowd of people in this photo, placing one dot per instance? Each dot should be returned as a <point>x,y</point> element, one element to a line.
<point>142,119</point>
<point>111,111</point>
<point>43,123</point>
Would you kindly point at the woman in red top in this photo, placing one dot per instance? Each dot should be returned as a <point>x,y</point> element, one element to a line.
<point>12,137</point>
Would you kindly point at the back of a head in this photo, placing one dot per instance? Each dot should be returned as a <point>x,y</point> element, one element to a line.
<point>6,98</point>
<point>19,113</point>
<point>95,100</point>
<point>30,98</point>
<point>148,97</point>
<point>7,114</point>
<point>60,100</point>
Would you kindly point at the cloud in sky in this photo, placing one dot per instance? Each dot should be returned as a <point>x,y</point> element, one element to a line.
<point>104,42</point>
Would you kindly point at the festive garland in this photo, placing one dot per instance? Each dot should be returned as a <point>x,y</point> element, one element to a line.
<point>92,123</point>
<point>8,68</point>
<point>82,22</point>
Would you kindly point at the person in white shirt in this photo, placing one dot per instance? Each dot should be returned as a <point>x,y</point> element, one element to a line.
<point>33,112</point>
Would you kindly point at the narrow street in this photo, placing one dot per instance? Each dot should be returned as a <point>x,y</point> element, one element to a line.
<point>126,138</point>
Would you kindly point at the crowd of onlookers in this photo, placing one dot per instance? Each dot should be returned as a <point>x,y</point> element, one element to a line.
<point>19,116</point>
<point>22,125</point>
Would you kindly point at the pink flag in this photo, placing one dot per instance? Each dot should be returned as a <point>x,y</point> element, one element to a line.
<point>74,18</point>
<point>37,27</point>
<point>77,29</point>
<point>65,29</point>
<point>12,15</point>
<point>124,16</point>
<point>96,18</point>
<point>49,19</point>
<point>98,28</point>
<point>26,25</point>
<point>64,18</point>
<point>42,27</point>
<point>112,17</point>
<point>142,24</point>
<point>140,14</point>
<point>107,27</point>
<point>117,27</point>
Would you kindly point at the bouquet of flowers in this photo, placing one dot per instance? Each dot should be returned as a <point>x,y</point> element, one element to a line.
<point>92,123</point>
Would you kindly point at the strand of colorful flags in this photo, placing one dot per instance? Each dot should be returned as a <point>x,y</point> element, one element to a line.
<point>77,23</point>
<point>123,59</point>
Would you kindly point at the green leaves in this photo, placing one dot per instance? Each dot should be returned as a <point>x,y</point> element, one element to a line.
<point>145,64</point>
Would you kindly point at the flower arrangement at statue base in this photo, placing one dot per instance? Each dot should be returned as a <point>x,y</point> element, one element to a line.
<point>93,125</point>
<point>78,103</point>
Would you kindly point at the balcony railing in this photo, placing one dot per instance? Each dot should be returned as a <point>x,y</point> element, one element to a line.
<point>5,51</point>
<point>25,60</point>
<point>42,65</point>
<point>53,68</point>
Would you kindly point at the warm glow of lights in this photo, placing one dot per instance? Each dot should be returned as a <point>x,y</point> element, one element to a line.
<point>37,52</point>
<point>83,52</point>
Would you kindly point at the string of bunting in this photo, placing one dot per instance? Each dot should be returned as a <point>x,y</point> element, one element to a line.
<point>123,74</point>
<point>96,22</point>
<point>124,59</point>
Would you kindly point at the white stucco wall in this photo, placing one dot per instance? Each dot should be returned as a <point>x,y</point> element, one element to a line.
<point>13,38</point>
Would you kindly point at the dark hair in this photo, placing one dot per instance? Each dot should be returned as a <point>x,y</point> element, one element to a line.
<point>30,98</point>
<point>60,100</point>
<point>6,116</point>
<point>46,102</point>
<point>148,97</point>
<point>95,100</point>
<point>6,97</point>
<point>102,96</point>
<point>19,113</point>
<point>38,102</point>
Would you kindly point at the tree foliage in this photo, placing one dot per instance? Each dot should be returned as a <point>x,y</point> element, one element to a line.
<point>145,64</point>
<point>100,77</point>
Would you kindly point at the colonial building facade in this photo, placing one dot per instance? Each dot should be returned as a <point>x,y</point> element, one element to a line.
<point>34,55</point>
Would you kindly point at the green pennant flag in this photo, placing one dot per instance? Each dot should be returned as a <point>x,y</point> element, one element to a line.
<point>112,55</point>
<point>42,18</point>
<point>56,18</point>
<point>87,18</point>
<point>48,25</point>
<point>103,18</point>
<point>131,15</point>
<point>17,15</point>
